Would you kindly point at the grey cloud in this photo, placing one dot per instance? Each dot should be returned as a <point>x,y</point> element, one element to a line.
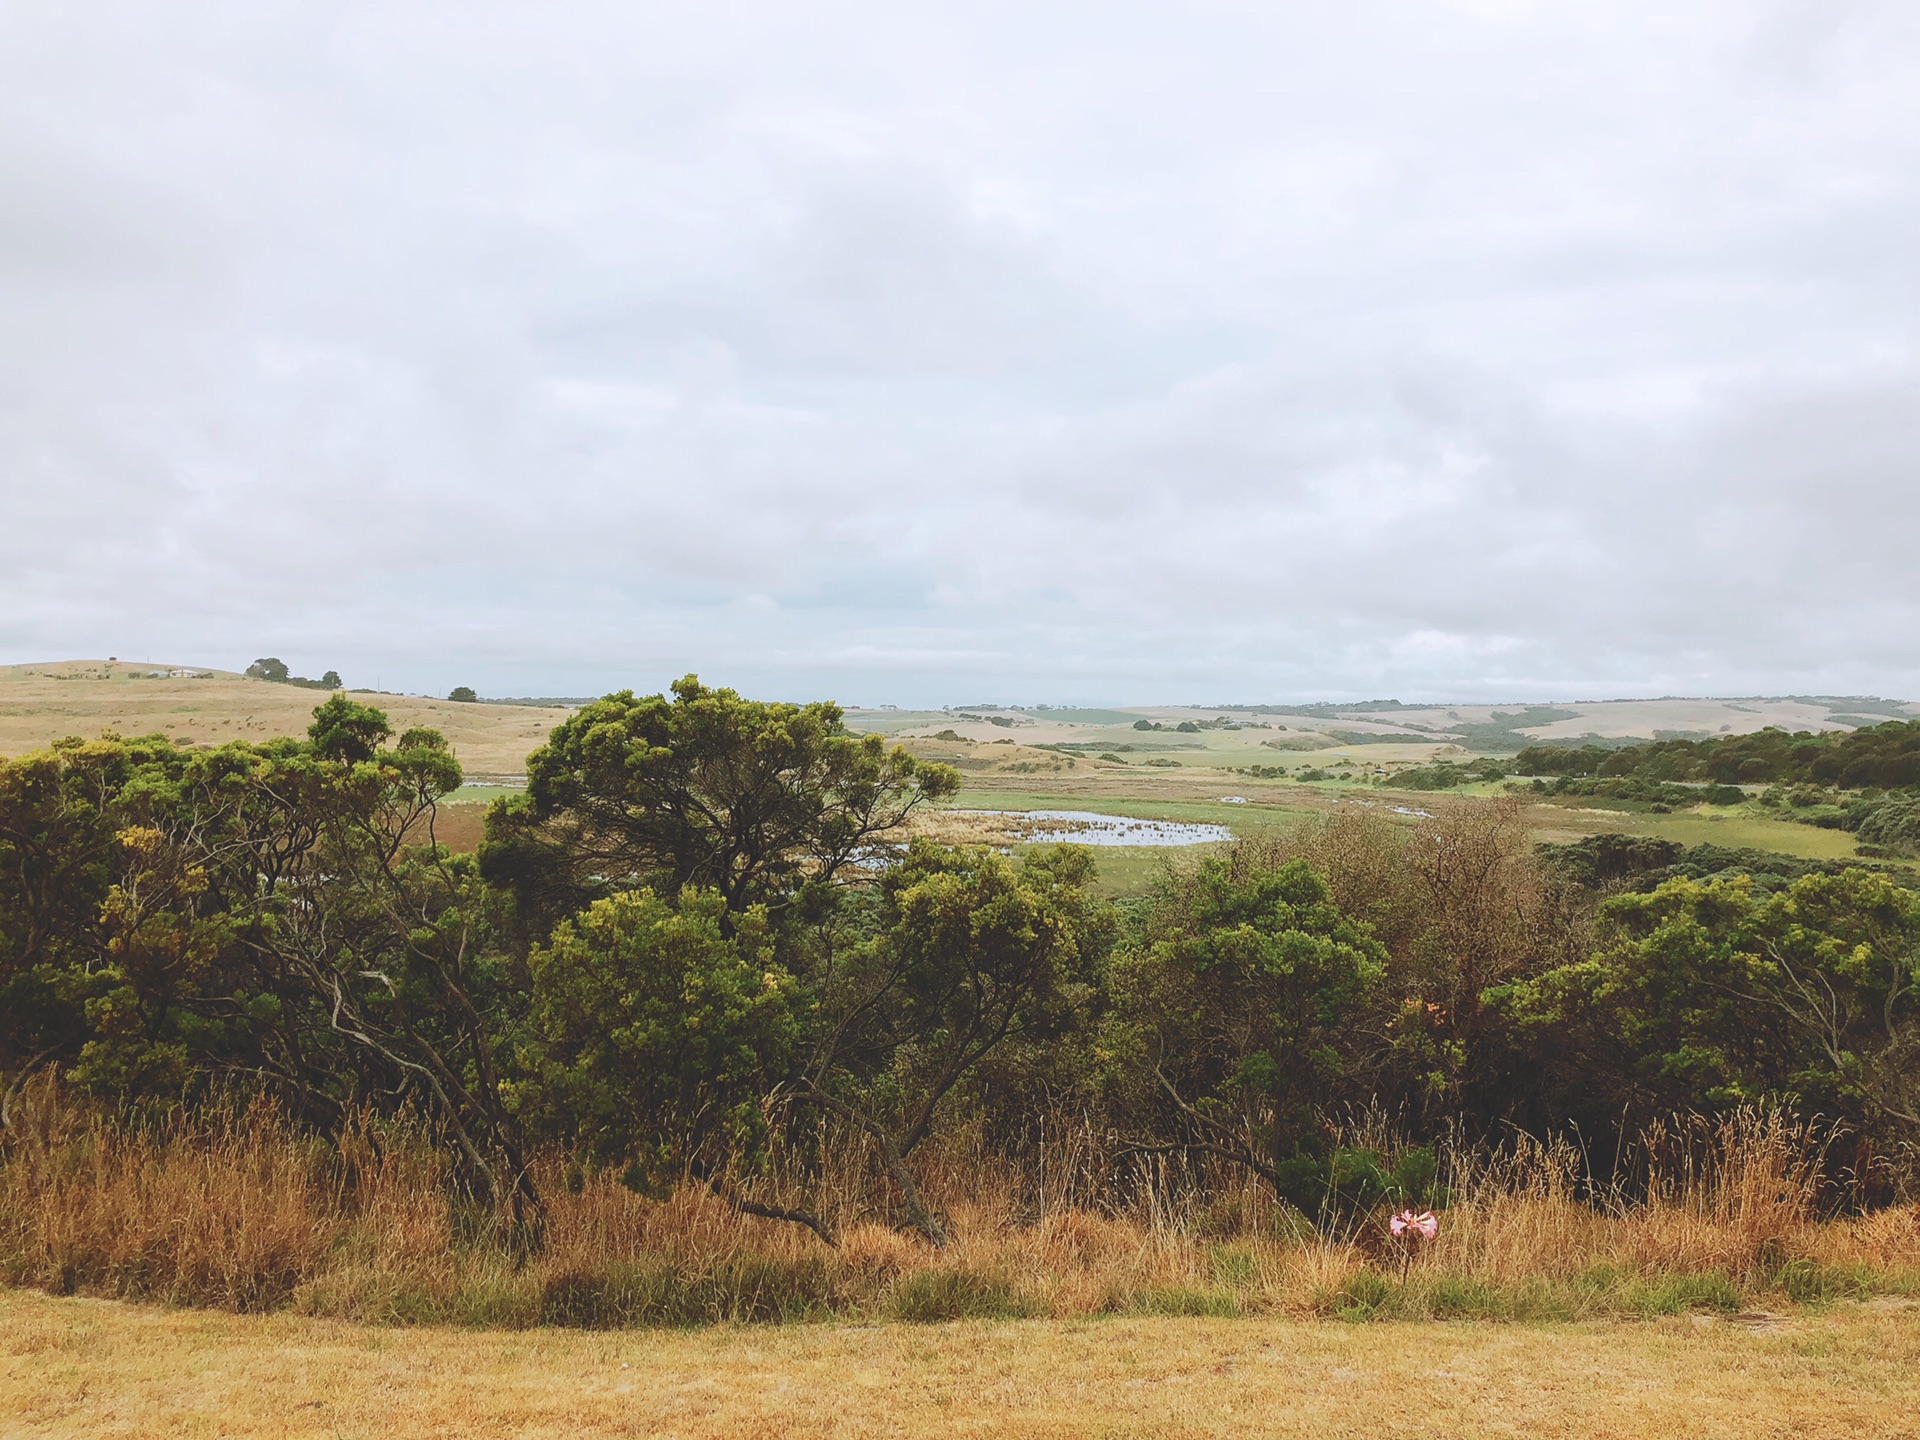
<point>1075,352</point>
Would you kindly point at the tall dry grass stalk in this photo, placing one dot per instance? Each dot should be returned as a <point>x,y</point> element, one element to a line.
<point>243,1212</point>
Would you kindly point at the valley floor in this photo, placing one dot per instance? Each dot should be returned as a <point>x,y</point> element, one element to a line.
<point>72,1367</point>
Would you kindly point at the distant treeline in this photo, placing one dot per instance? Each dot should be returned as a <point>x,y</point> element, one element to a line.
<point>1882,757</point>
<point>273,668</point>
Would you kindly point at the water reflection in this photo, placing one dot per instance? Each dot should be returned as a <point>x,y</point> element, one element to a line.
<point>1087,827</point>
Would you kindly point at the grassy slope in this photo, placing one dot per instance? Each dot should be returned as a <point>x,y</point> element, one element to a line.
<point>1740,829</point>
<point>104,1369</point>
<point>41,703</point>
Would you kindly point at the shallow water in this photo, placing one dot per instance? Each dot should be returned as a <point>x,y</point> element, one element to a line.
<point>1087,827</point>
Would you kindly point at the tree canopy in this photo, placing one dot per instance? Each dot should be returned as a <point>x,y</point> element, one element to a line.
<point>754,800</point>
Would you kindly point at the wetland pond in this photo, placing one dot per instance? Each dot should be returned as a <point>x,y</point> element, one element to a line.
<point>1087,827</point>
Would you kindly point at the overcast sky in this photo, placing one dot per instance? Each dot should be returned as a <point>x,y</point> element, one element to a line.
<point>1041,352</point>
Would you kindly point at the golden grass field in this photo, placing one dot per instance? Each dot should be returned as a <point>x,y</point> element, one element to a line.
<point>94,1368</point>
<point>41,703</point>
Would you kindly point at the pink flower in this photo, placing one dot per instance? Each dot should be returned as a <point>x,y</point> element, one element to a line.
<point>1425,1225</point>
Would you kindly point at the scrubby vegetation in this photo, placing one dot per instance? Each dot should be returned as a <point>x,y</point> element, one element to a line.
<point>1866,780</point>
<point>697,1034</point>
<point>1446,775</point>
<point>275,669</point>
<point>1885,756</point>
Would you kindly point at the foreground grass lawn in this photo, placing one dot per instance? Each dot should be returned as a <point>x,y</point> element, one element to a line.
<point>102,1368</point>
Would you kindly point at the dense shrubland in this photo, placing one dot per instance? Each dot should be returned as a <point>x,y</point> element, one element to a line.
<point>1865,780</point>
<point>1447,775</point>
<point>695,1004</point>
<point>1885,756</point>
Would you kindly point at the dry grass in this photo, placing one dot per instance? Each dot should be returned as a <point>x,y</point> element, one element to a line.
<point>1188,1311</point>
<point>248,1216</point>
<point>41,703</point>
<point>100,1369</point>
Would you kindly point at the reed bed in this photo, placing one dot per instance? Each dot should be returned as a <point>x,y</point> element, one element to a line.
<point>243,1212</point>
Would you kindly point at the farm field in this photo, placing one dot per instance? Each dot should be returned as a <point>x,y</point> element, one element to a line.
<point>1260,732</point>
<point>41,703</point>
<point>74,1367</point>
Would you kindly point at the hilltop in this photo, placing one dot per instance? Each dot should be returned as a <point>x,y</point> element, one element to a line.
<point>40,703</point>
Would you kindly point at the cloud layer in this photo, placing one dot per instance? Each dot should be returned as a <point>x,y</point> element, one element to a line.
<point>1052,352</point>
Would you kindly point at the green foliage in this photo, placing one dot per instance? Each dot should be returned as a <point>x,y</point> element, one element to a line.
<point>655,1034</point>
<point>1248,989</point>
<point>1609,859</point>
<point>1612,861</point>
<point>271,912</point>
<point>275,670</point>
<point>1885,756</point>
<point>1892,828</point>
<point>1718,994</point>
<point>757,801</point>
<point>1637,791</point>
<point>1809,1282</point>
<point>1445,775</point>
<point>347,731</point>
<point>1180,1300</point>
<point>462,694</point>
<point>965,961</point>
<point>1504,727</point>
<point>1341,1183</point>
<point>1368,1295</point>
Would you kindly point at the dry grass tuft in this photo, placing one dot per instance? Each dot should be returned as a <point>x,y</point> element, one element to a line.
<point>245,1214</point>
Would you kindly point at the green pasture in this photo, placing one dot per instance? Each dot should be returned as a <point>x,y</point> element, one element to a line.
<point>892,722</point>
<point>1739,828</point>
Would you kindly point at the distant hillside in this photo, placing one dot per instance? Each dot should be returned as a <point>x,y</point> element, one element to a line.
<point>1486,729</point>
<point>41,702</point>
